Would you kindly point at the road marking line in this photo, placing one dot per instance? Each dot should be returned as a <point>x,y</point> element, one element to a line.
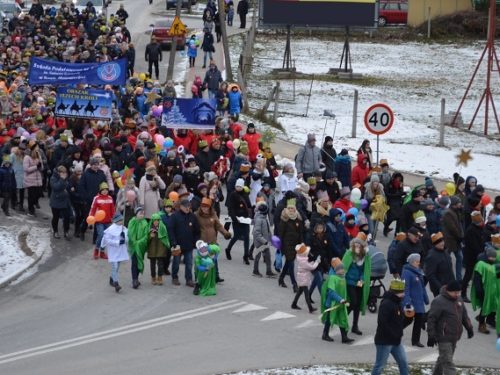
<point>277,315</point>
<point>249,307</point>
<point>364,341</point>
<point>431,358</point>
<point>310,323</point>
<point>135,327</point>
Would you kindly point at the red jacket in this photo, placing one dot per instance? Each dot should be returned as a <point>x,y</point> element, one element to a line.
<point>105,203</point>
<point>360,172</point>
<point>187,142</point>
<point>352,232</point>
<point>253,145</point>
<point>235,130</point>
<point>343,204</point>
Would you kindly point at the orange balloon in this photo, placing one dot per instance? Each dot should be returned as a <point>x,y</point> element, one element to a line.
<point>90,220</point>
<point>485,200</point>
<point>100,215</point>
<point>173,196</point>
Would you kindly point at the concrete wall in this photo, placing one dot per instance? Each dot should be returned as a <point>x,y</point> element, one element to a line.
<point>418,10</point>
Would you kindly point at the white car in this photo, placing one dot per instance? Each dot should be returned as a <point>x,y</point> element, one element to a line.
<point>98,5</point>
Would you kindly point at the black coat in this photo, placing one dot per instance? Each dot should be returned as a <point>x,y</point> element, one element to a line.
<point>184,230</point>
<point>208,42</point>
<point>239,205</point>
<point>321,246</point>
<point>474,244</point>
<point>153,52</point>
<point>407,212</point>
<point>390,321</point>
<point>438,269</point>
<point>242,7</point>
<point>404,249</point>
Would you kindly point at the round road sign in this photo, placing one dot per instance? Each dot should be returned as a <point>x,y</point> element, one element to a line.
<point>379,119</point>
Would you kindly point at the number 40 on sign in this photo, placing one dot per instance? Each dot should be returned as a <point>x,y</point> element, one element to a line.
<point>379,119</point>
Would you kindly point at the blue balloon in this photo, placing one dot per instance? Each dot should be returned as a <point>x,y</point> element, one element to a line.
<point>498,344</point>
<point>498,221</point>
<point>168,143</point>
<point>364,204</point>
<point>353,211</point>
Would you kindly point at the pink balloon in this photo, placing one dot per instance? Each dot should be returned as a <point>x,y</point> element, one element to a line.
<point>159,139</point>
<point>157,111</point>
<point>130,195</point>
<point>229,144</point>
<point>26,134</point>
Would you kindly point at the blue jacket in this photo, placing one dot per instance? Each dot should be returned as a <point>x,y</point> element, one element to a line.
<point>415,293</point>
<point>337,235</point>
<point>343,168</point>
<point>59,197</point>
<point>7,180</point>
<point>433,220</point>
<point>234,102</point>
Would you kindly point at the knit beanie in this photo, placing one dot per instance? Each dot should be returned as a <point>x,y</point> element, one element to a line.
<point>476,217</point>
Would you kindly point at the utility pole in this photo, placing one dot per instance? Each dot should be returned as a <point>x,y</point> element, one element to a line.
<point>173,46</point>
<point>225,45</point>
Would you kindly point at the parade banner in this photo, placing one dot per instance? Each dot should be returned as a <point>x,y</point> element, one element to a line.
<point>48,72</point>
<point>183,113</point>
<point>89,104</point>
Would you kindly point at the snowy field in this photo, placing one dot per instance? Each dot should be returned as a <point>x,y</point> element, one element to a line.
<point>12,258</point>
<point>357,370</point>
<point>410,77</point>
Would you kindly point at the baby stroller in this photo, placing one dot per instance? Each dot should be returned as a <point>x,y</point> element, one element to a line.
<point>379,269</point>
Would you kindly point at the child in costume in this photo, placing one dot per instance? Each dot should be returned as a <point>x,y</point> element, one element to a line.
<point>166,215</point>
<point>304,275</point>
<point>102,201</point>
<point>115,240</point>
<point>137,243</point>
<point>158,243</point>
<point>334,303</point>
<point>204,269</point>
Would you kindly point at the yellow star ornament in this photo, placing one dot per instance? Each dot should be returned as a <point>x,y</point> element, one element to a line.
<point>151,97</point>
<point>464,157</point>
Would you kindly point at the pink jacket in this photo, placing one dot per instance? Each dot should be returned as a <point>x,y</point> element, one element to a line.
<point>304,268</point>
<point>32,176</point>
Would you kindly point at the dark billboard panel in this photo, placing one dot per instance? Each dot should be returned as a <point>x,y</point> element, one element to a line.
<point>318,13</point>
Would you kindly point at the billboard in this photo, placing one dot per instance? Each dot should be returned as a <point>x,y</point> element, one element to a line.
<point>89,104</point>
<point>183,113</point>
<point>318,13</point>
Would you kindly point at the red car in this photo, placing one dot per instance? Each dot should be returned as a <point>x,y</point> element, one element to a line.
<point>161,30</point>
<point>392,12</point>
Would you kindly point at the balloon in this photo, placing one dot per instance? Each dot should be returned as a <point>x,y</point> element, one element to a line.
<point>26,134</point>
<point>229,144</point>
<point>236,143</point>
<point>142,76</point>
<point>130,196</point>
<point>159,139</point>
<point>173,196</point>
<point>450,188</point>
<point>485,200</point>
<point>353,211</point>
<point>158,111</point>
<point>90,220</point>
<point>154,108</point>
<point>364,204</point>
<point>444,193</point>
<point>119,183</point>
<point>498,221</point>
<point>100,215</point>
<point>355,195</point>
<point>498,344</point>
<point>357,204</point>
<point>169,142</point>
<point>276,242</point>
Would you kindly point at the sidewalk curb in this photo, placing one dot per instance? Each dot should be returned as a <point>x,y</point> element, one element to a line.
<point>35,259</point>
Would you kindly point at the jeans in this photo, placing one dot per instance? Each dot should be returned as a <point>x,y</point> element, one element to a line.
<point>317,282</point>
<point>398,353</point>
<point>288,269</point>
<point>211,95</point>
<point>100,228</point>
<point>188,264</point>
<point>115,266</point>
<point>444,364</point>
<point>207,54</point>
<point>459,258</point>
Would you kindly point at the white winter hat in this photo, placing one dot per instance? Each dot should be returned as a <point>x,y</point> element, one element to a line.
<point>240,183</point>
<point>302,185</point>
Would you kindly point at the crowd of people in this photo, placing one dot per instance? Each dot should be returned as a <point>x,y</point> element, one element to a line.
<point>149,191</point>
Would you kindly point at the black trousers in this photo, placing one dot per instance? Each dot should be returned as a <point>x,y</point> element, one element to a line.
<point>58,213</point>
<point>157,266</point>
<point>469,271</point>
<point>305,290</point>
<point>14,198</point>
<point>6,200</point>
<point>418,322</point>
<point>243,21</point>
<point>355,296</point>
<point>33,195</point>
<point>133,267</point>
<point>79,209</point>
<point>150,68</point>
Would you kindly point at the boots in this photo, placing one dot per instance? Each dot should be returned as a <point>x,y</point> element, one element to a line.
<point>483,329</point>
<point>117,287</point>
<point>464,296</point>
<point>345,339</point>
<point>111,282</point>
<point>281,283</point>
<point>96,254</point>
<point>153,281</point>
<point>57,236</point>
<point>196,289</point>
<point>159,280</point>
<point>103,255</point>
<point>271,274</point>
<point>135,283</point>
<point>356,330</point>
<point>67,237</point>
<point>326,331</point>
<point>228,254</point>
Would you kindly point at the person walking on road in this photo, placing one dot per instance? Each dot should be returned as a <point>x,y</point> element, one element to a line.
<point>153,56</point>
<point>213,78</point>
<point>60,203</point>
<point>453,232</point>
<point>243,11</point>
<point>447,317</point>
<point>207,46</point>
<point>390,326</point>
<point>308,158</point>
<point>115,240</point>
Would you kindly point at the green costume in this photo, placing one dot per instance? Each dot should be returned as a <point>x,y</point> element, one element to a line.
<point>367,269</point>
<point>338,315</point>
<point>138,240</point>
<point>157,246</point>
<point>489,281</point>
<point>498,291</point>
<point>204,271</point>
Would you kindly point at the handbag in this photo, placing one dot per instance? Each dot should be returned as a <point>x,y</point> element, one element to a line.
<point>278,260</point>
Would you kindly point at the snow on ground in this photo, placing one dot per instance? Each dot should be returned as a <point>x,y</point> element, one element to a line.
<point>12,258</point>
<point>351,370</point>
<point>410,77</point>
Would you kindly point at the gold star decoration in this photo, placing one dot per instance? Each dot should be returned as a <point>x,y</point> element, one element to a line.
<point>151,97</point>
<point>464,157</point>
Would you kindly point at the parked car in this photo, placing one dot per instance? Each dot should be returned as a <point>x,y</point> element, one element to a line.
<point>98,5</point>
<point>172,4</point>
<point>392,12</point>
<point>161,30</point>
<point>9,10</point>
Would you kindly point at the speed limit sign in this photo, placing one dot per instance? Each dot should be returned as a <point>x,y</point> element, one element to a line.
<point>379,119</point>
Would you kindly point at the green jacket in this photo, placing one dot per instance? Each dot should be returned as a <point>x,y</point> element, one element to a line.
<point>138,240</point>
<point>205,273</point>
<point>338,316</point>
<point>347,261</point>
<point>489,281</point>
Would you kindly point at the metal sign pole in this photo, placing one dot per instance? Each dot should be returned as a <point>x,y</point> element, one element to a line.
<point>378,145</point>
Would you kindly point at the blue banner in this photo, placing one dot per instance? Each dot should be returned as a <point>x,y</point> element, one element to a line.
<point>184,113</point>
<point>48,72</point>
<point>89,104</point>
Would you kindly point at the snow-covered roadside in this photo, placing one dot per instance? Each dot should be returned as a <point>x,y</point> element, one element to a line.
<point>13,260</point>
<point>411,77</point>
